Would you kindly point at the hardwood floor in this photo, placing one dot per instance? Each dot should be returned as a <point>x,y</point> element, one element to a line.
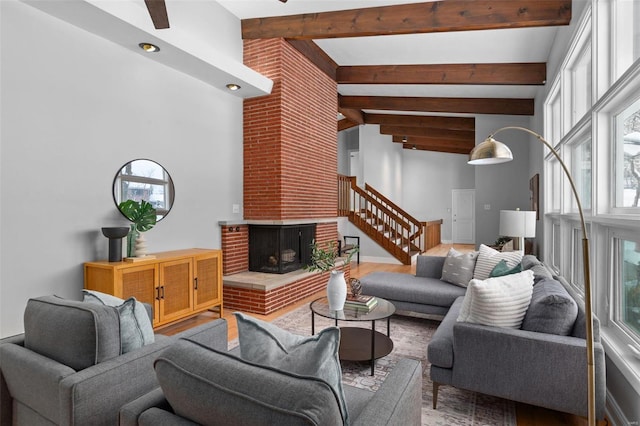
<point>527,415</point>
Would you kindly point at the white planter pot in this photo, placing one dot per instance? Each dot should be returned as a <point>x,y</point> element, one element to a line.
<point>336,290</point>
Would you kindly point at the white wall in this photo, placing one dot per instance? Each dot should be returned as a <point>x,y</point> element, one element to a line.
<point>75,108</point>
<point>381,160</point>
<point>501,186</point>
<point>428,179</point>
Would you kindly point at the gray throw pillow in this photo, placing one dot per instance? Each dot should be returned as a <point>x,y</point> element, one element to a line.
<point>552,310</point>
<point>210,387</point>
<point>458,267</point>
<point>136,329</point>
<point>314,356</point>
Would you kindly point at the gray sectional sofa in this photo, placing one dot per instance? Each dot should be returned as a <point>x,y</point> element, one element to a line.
<point>539,368</point>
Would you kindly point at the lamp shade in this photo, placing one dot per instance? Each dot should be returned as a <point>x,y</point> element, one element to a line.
<point>517,223</point>
<point>490,151</point>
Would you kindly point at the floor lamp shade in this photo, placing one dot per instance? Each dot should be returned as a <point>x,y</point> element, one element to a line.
<point>519,224</point>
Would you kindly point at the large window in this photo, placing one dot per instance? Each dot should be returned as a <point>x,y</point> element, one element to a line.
<point>628,265</point>
<point>581,172</point>
<point>628,157</point>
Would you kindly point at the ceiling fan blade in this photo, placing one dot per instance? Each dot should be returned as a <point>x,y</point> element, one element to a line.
<point>158,11</point>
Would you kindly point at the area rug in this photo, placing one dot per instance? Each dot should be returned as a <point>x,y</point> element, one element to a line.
<point>410,339</point>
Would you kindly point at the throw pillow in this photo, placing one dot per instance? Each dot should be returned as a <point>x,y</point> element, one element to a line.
<point>552,309</point>
<point>315,356</point>
<point>502,269</point>
<point>499,301</point>
<point>136,329</point>
<point>488,258</point>
<point>458,267</point>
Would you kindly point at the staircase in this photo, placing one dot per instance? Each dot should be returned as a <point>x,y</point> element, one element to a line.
<point>399,233</point>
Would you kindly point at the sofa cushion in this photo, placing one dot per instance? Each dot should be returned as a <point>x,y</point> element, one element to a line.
<point>73,333</point>
<point>440,348</point>
<point>458,267</point>
<point>315,356</point>
<point>211,387</point>
<point>499,301</point>
<point>502,269</point>
<point>540,271</point>
<point>407,288</point>
<point>552,310</point>
<point>136,329</point>
<point>488,258</point>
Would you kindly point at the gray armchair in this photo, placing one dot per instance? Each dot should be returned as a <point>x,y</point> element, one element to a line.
<point>66,369</point>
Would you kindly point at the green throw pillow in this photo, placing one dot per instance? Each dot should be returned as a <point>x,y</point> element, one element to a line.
<point>316,356</point>
<point>502,269</point>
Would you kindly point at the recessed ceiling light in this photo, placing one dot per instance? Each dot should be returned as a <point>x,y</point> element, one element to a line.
<point>233,87</point>
<point>148,47</point>
<point>404,139</point>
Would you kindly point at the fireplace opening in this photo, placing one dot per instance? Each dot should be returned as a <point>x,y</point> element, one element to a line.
<point>279,249</point>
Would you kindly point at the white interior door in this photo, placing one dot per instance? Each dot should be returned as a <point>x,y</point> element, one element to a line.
<point>463,216</point>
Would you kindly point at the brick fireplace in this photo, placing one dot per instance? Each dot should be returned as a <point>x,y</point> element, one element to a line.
<point>290,168</point>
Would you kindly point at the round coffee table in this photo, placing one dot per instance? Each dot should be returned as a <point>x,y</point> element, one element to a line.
<point>357,343</point>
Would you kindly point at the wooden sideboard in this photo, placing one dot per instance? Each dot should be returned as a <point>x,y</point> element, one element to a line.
<point>177,283</point>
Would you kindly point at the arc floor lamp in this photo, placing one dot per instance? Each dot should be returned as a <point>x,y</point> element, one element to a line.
<point>492,151</point>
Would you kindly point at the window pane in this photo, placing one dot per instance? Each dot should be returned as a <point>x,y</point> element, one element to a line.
<point>581,165</point>
<point>581,87</point>
<point>628,157</point>
<point>577,263</point>
<point>630,267</point>
<point>556,245</point>
<point>556,185</point>
<point>626,32</point>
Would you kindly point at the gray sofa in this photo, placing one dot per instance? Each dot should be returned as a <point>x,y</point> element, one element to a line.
<point>538,368</point>
<point>67,368</point>
<point>253,395</point>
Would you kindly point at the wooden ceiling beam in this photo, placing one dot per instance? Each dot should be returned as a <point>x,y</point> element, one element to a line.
<point>158,11</point>
<point>429,141</point>
<point>429,132</point>
<point>353,114</point>
<point>446,149</point>
<point>505,106</point>
<point>434,121</point>
<point>427,17</point>
<point>345,124</point>
<point>316,55</point>
<point>479,74</point>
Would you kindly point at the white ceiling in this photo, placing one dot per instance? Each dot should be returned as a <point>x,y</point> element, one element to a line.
<point>484,46</point>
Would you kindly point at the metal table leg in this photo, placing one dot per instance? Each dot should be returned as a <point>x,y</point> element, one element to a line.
<point>373,346</point>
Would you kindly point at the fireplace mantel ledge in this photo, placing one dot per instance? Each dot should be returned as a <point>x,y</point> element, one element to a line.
<point>278,221</point>
<point>266,282</point>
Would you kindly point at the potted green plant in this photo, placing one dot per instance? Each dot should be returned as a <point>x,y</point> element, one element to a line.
<point>143,216</point>
<point>324,260</point>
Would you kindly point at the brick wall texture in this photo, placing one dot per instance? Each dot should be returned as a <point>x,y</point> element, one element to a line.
<point>290,137</point>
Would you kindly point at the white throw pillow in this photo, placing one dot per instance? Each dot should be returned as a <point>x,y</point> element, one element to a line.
<point>500,301</point>
<point>488,258</point>
<point>458,267</point>
<point>136,329</point>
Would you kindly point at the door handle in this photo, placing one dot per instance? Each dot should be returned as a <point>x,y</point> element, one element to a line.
<point>157,293</point>
<point>195,280</point>
<point>162,292</point>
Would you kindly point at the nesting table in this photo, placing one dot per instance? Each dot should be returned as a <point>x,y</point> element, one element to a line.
<point>358,343</point>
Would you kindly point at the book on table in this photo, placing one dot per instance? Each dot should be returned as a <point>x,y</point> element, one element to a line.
<point>362,302</point>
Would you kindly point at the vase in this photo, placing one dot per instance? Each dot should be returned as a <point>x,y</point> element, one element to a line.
<point>141,245</point>
<point>336,290</point>
<point>131,240</point>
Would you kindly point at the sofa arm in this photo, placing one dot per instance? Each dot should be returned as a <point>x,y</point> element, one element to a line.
<point>429,266</point>
<point>32,379</point>
<point>399,399</point>
<point>535,368</point>
<point>212,334</point>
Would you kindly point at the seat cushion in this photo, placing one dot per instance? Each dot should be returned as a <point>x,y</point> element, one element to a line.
<point>217,388</point>
<point>76,334</point>
<point>315,356</point>
<point>408,288</point>
<point>552,310</point>
<point>136,329</point>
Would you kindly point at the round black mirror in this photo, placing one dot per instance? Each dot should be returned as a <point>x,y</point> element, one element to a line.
<point>146,180</point>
